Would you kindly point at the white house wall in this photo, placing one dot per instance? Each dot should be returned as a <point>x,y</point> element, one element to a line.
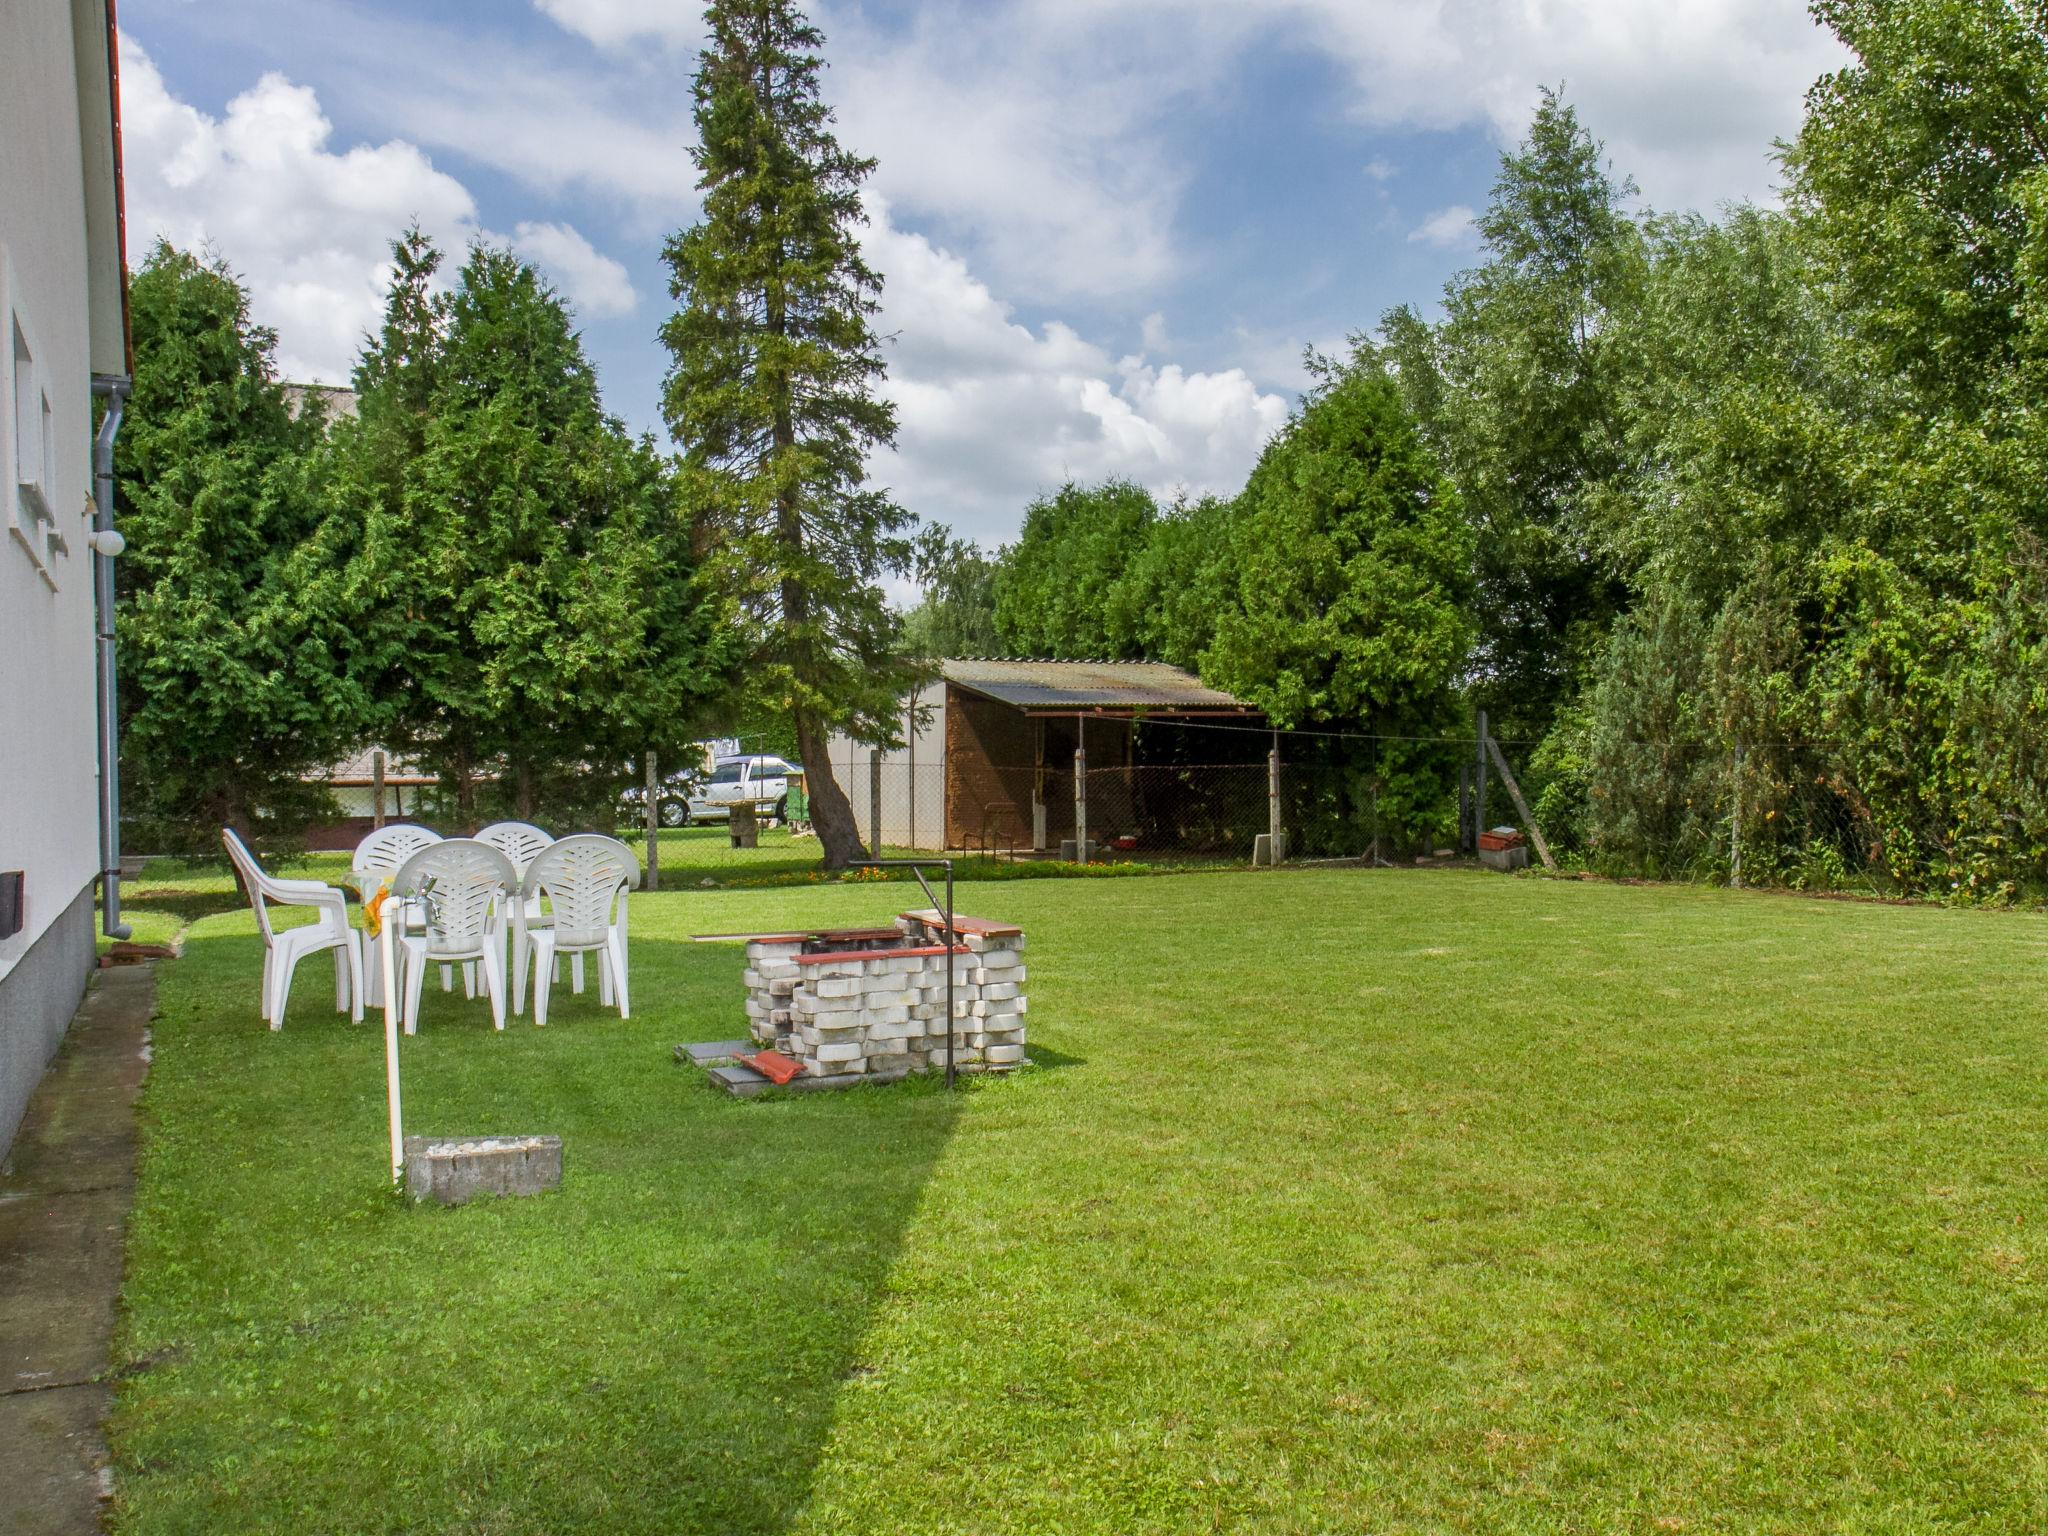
<point>913,778</point>
<point>48,756</point>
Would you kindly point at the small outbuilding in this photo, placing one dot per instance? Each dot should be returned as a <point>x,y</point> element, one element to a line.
<point>991,748</point>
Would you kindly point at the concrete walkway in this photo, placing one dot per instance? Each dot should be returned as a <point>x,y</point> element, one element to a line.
<point>64,1196</point>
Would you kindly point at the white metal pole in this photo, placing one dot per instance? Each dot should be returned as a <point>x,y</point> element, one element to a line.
<point>387,957</point>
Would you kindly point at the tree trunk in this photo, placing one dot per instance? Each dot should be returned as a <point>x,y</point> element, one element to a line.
<point>831,812</point>
<point>465,794</point>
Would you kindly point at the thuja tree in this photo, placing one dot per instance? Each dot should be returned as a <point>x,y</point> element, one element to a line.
<point>771,395</point>
<point>554,626</point>
<point>245,635</point>
<point>1351,604</point>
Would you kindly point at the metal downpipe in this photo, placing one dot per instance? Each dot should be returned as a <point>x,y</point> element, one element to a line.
<point>106,544</point>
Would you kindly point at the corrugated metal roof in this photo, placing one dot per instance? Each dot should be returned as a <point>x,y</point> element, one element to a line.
<point>1152,686</point>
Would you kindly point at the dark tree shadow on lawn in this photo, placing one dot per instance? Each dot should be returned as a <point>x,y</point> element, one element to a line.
<point>658,1346</point>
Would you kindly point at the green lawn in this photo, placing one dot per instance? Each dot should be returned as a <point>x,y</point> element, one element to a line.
<point>1338,1201</point>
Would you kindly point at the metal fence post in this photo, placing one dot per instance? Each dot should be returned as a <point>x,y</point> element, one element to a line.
<point>377,789</point>
<point>875,801</point>
<point>1479,785</point>
<point>653,826</point>
<point>1735,825</point>
<point>1081,795</point>
<point>1275,838</point>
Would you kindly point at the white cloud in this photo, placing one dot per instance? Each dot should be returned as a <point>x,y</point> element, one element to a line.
<point>613,23</point>
<point>991,413</point>
<point>1445,230</point>
<point>307,227</point>
<point>1037,136</point>
<point>1010,139</point>
<point>554,127</point>
<point>597,285</point>
<point>1688,97</point>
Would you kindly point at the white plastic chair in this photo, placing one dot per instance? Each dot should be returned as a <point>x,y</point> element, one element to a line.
<point>585,880</point>
<point>453,896</point>
<point>376,858</point>
<point>284,949</point>
<point>521,842</point>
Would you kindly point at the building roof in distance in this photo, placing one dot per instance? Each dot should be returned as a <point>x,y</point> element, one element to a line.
<point>361,769</point>
<point>336,400</point>
<point>1110,687</point>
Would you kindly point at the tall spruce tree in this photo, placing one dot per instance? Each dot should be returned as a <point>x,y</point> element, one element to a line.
<point>771,395</point>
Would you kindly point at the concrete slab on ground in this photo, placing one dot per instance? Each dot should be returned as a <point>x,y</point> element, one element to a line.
<point>710,1053</point>
<point>65,1191</point>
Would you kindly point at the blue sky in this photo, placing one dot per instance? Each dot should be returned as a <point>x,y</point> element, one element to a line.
<point>1108,231</point>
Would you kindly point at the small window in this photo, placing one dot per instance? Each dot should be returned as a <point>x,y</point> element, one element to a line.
<point>31,515</point>
<point>29,410</point>
<point>726,773</point>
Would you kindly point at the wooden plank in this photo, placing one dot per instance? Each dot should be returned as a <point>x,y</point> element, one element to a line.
<point>1507,776</point>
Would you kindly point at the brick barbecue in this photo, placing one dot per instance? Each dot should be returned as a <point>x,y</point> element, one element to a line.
<point>872,1002</point>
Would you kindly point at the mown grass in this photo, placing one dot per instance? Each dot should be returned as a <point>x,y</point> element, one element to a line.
<point>1339,1201</point>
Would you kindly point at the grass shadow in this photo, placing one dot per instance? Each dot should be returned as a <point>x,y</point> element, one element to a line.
<point>656,1347</point>
<point>1044,1058</point>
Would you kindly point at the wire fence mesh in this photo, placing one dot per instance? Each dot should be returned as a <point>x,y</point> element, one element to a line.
<point>1779,813</point>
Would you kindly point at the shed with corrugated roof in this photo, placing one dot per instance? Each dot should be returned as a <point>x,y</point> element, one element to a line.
<point>989,745</point>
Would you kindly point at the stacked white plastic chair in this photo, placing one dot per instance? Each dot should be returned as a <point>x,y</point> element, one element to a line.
<point>454,896</point>
<point>584,881</point>
<point>521,842</point>
<point>376,857</point>
<point>283,949</point>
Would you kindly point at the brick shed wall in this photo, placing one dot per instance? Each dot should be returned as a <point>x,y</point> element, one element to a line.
<point>990,750</point>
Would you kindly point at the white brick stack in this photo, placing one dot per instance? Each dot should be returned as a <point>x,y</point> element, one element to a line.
<point>862,1005</point>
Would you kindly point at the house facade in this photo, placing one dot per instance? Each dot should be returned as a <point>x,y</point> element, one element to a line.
<point>63,325</point>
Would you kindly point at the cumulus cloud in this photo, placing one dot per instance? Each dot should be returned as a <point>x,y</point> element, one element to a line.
<point>991,413</point>
<point>308,227</point>
<point>614,23</point>
<point>589,279</point>
<point>1445,230</point>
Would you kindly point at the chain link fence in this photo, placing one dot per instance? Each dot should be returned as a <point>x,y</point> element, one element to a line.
<point>1783,814</point>
<point>1797,815</point>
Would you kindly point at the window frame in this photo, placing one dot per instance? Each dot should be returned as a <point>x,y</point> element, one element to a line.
<point>31,438</point>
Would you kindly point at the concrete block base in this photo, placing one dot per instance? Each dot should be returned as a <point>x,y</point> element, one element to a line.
<point>1504,858</point>
<point>456,1171</point>
<point>1268,850</point>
